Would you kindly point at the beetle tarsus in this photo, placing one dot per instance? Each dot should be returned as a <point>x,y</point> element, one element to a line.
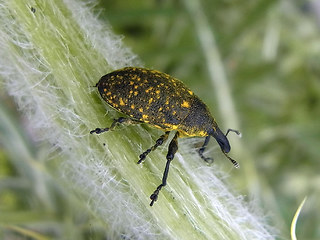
<point>114,123</point>
<point>143,155</point>
<point>154,195</point>
<point>208,160</point>
<point>99,130</point>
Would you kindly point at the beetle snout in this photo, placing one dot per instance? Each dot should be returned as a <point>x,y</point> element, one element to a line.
<point>222,140</point>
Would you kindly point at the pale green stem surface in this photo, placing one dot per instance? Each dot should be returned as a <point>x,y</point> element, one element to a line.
<point>55,51</point>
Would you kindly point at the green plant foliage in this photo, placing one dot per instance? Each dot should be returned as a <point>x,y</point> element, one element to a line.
<point>269,52</point>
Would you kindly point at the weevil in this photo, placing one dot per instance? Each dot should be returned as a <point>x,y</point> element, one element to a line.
<point>156,98</point>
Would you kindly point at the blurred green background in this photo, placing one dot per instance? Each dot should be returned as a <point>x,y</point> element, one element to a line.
<point>271,54</point>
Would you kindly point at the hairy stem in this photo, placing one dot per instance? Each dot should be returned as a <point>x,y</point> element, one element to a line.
<point>55,52</point>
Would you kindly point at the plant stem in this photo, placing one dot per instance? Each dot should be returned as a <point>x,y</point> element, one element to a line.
<point>56,51</point>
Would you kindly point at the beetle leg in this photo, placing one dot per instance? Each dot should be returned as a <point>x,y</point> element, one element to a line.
<point>159,142</point>
<point>201,150</point>
<point>114,123</point>
<point>173,147</point>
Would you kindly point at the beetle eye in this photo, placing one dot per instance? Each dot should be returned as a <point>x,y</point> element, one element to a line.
<point>222,140</point>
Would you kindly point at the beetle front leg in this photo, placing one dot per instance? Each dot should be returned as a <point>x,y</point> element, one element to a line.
<point>173,148</point>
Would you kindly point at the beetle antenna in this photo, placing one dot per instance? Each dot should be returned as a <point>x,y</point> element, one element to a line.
<point>235,131</point>
<point>234,162</point>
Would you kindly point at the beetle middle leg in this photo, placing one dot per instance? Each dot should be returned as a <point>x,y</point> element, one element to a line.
<point>159,142</point>
<point>201,150</point>
<point>173,147</point>
<point>114,123</point>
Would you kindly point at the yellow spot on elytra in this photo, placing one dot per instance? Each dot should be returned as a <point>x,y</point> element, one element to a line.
<point>160,109</point>
<point>140,109</point>
<point>135,93</point>
<point>121,102</point>
<point>108,93</point>
<point>158,91</point>
<point>131,92</point>
<point>104,89</point>
<point>170,126</point>
<point>132,106</point>
<point>185,104</point>
<point>174,113</point>
<point>202,134</point>
<point>136,86</point>
<point>149,89</point>
<point>167,102</point>
<point>150,100</point>
<point>144,116</point>
<point>190,92</point>
<point>131,82</point>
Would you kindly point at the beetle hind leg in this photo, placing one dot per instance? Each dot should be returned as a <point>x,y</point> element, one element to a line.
<point>159,142</point>
<point>173,148</point>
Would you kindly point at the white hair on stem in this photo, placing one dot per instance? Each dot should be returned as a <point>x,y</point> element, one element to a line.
<point>54,54</point>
